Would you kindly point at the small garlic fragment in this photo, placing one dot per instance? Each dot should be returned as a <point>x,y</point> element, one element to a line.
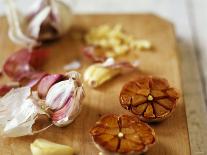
<point>142,44</point>
<point>72,65</point>
<point>45,147</point>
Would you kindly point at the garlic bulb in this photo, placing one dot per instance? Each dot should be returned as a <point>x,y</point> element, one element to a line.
<point>64,98</point>
<point>46,20</point>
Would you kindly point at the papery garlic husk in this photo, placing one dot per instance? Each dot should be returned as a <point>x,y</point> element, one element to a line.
<point>46,20</point>
<point>45,147</point>
<point>64,98</point>
<point>18,26</point>
<point>18,112</point>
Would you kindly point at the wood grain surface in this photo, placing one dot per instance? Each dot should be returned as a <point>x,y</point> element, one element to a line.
<point>163,61</point>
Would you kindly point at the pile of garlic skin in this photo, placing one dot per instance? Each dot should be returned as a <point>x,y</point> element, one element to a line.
<point>46,20</point>
<point>58,97</point>
<point>114,41</point>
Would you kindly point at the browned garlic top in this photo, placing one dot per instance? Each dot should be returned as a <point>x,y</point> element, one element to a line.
<point>122,134</point>
<point>150,98</point>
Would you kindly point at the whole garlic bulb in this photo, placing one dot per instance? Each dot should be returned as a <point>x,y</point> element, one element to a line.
<point>46,20</point>
<point>64,99</point>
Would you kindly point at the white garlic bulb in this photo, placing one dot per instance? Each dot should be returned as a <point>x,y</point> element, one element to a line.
<point>46,20</point>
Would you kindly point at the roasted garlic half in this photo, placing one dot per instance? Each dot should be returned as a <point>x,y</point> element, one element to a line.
<point>150,98</point>
<point>122,134</point>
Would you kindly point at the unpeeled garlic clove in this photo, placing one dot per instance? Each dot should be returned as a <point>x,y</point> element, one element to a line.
<point>45,147</point>
<point>46,82</point>
<point>48,20</point>
<point>64,98</point>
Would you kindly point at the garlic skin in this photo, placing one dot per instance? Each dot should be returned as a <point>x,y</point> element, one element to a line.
<point>17,24</point>
<point>64,98</point>
<point>17,113</point>
<point>47,20</point>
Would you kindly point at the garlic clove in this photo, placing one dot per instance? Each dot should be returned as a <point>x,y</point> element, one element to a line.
<point>60,93</point>
<point>95,75</point>
<point>47,82</point>
<point>34,27</point>
<point>70,111</point>
<point>45,147</point>
<point>62,10</point>
<point>64,98</point>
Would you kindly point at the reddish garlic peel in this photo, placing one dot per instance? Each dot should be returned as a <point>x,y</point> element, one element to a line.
<point>46,82</point>
<point>24,62</point>
<point>90,53</point>
<point>5,89</point>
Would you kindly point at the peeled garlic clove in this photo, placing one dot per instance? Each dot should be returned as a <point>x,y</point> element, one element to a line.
<point>44,147</point>
<point>46,83</point>
<point>96,74</point>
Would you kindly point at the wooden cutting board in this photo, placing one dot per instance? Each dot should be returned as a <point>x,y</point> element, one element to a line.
<point>163,61</point>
